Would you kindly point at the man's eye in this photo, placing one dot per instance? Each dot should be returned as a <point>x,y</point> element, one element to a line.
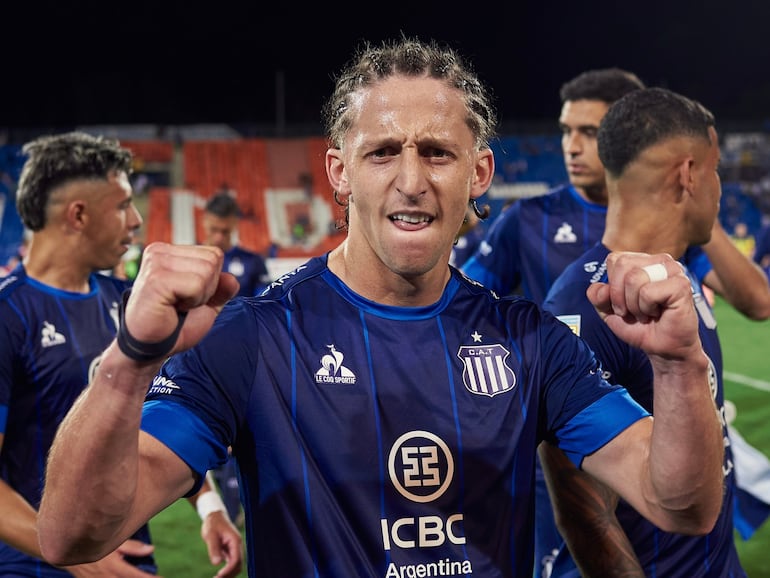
<point>383,152</point>
<point>434,152</point>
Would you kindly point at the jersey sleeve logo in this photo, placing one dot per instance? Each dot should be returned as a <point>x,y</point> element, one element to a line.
<point>485,368</point>
<point>571,321</point>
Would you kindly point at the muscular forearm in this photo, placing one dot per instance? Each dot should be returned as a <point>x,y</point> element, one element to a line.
<point>95,454</point>
<point>686,456</point>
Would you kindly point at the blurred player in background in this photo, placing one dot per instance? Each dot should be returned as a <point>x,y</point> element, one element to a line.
<point>57,314</point>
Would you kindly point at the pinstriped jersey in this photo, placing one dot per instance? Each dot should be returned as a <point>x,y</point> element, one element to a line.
<point>532,241</point>
<point>384,441</point>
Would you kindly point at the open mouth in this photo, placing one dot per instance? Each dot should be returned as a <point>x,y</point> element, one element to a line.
<point>411,219</point>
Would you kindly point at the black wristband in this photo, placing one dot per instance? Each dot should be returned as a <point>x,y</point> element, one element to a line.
<point>141,350</point>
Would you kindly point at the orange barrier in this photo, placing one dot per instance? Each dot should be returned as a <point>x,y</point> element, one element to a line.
<point>158,217</point>
<point>150,151</point>
<point>238,165</point>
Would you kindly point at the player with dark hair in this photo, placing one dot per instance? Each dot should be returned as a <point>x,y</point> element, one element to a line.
<point>661,154</point>
<point>385,410</point>
<point>220,225</point>
<point>531,242</point>
<point>57,314</point>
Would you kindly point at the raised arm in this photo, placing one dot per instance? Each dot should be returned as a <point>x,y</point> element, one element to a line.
<point>99,450</point>
<point>669,468</point>
<point>735,277</point>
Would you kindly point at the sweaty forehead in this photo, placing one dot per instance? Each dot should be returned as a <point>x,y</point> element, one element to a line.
<point>407,107</point>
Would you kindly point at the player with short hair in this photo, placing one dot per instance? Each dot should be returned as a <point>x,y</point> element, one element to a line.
<point>661,153</point>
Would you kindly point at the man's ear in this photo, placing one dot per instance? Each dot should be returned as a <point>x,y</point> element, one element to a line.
<point>686,174</point>
<point>485,172</point>
<point>335,172</point>
<point>76,214</point>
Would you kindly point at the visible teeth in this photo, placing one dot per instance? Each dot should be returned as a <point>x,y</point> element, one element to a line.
<point>413,219</point>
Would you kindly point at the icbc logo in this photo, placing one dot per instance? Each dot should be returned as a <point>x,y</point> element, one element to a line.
<point>421,469</point>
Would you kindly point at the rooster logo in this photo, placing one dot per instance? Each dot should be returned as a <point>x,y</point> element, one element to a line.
<point>332,370</point>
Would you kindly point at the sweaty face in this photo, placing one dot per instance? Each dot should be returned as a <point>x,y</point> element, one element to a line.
<point>579,124</point>
<point>218,231</point>
<point>409,164</point>
<point>112,220</point>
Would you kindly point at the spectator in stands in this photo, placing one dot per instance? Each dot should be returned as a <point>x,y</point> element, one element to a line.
<point>661,154</point>
<point>385,410</point>
<point>743,239</point>
<point>57,314</point>
<point>220,225</point>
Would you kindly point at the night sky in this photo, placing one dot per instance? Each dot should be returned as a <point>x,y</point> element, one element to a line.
<point>167,62</point>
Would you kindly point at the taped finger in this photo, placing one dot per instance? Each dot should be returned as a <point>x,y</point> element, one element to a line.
<point>656,272</point>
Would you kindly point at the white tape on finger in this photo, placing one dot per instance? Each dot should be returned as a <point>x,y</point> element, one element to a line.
<point>656,272</point>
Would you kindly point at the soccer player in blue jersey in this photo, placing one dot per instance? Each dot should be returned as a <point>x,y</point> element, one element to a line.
<point>385,410</point>
<point>220,224</point>
<point>57,314</point>
<point>531,242</point>
<point>661,154</point>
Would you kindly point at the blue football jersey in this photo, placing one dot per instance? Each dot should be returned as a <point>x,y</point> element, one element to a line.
<point>526,249</point>
<point>531,242</point>
<point>660,553</point>
<point>384,441</point>
<point>51,342</point>
<point>249,268</point>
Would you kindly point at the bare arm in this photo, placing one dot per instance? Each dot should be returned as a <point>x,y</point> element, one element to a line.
<point>18,529</point>
<point>668,468</point>
<point>223,540</point>
<point>584,510</point>
<point>738,279</point>
<point>99,449</point>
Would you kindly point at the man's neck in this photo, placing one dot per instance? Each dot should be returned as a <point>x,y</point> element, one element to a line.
<point>596,195</point>
<point>56,267</point>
